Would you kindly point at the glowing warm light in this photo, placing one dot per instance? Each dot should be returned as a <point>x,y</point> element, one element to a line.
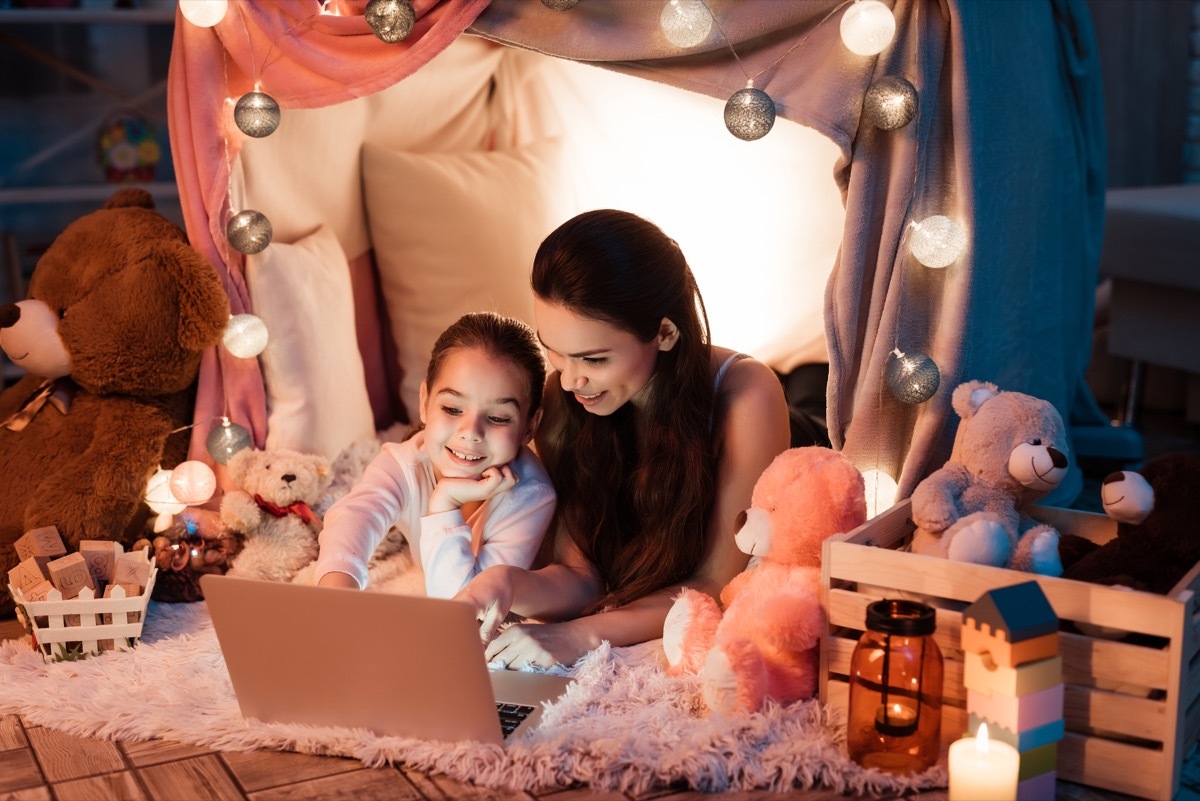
<point>981,770</point>
<point>203,13</point>
<point>193,482</point>
<point>245,336</point>
<point>868,27</point>
<point>937,241</point>
<point>880,489</point>
<point>685,23</point>
<point>159,497</point>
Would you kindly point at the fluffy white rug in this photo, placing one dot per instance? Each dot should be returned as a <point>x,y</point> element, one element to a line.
<point>623,725</point>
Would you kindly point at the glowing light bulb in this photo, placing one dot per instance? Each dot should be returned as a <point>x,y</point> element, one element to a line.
<point>750,114</point>
<point>245,336</point>
<point>912,378</point>
<point>193,482</point>
<point>203,13</point>
<point>890,103</point>
<point>685,23</point>
<point>159,497</point>
<point>868,27</point>
<point>937,241</point>
<point>880,490</point>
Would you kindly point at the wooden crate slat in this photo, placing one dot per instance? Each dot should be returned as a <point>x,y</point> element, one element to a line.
<point>1115,766</point>
<point>1087,707</point>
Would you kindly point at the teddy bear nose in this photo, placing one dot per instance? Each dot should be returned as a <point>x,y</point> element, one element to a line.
<point>9,314</point>
<point>288,477</point>
<point>1057,458</point>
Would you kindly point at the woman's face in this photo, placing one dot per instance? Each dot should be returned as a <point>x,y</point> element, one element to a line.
<point>603,366</point>
<point>476,414</point>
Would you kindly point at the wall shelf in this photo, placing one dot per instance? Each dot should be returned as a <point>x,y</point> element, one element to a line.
<point>84,193</point>
<point>88,16</point>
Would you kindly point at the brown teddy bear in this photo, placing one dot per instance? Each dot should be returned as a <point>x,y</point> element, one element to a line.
<point>273,511</point>
<point>1009,452</point>
<point>120,309</point>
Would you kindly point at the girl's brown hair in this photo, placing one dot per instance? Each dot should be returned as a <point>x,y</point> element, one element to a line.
<point>635,497</point>
<point>504,338</point>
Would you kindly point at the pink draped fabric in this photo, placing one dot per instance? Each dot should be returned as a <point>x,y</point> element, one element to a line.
<point>303,59</point>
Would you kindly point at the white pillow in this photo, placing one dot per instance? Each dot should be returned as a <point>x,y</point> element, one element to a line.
<point>317,398</point>
<point>455,233</point>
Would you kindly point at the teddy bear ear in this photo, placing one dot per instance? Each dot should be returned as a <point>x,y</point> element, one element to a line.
<point>130,197</point>
<point>970,395</point>
<point>203,305</point>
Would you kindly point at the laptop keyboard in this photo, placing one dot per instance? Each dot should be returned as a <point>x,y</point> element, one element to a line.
<point>511,716</point>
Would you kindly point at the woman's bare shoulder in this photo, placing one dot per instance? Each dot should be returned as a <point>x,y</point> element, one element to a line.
<point>746,380</point>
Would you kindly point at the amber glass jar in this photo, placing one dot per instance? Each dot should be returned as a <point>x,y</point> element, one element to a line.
<point>895,714</point>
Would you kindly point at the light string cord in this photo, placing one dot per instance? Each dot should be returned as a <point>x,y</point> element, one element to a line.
<point>729,42</point>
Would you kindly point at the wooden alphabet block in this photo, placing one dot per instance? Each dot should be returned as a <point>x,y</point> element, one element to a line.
<point>101,557</point>
<point>1038,788</point>
<point>1024,740</point>
<point>26,574</point>
<point>39,591</point>
<point>983,675</point>
<point>1018,714</point>
<point>132,568</point>
<point>70,574</point>
<point>978,641</point>
<point>42,543</point>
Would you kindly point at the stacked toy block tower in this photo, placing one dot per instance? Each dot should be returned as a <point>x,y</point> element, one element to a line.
<point>1013,676</point>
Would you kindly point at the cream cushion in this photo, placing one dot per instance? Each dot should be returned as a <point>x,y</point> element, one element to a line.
<point>456,233</point>
<point>317,398</point>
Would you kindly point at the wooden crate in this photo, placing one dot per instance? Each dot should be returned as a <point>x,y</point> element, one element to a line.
<point>1130,705</point>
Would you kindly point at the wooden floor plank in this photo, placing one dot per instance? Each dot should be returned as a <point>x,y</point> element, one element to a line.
<point>198,779</point>
<point>30,794</point>
<point>365,784</point>
<point>109,787</point>
<point>12,735</point>
<point>443,788</point>
<point>582,794</point>
<point>64,756</point>
<point>18,770</point>
<point>258,770</point>
<point>154,752</point>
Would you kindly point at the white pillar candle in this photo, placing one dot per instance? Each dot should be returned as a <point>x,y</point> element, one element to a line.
<point>983,770</point>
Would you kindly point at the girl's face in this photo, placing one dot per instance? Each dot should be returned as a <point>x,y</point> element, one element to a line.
<point>476,414</point>
<point>603,366</point>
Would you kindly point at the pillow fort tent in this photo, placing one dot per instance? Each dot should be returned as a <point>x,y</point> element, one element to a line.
<point>1007,141</point>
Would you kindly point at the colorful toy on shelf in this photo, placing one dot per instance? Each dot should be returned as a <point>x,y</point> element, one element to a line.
<point>1013,675</point>
<point>127,148</point>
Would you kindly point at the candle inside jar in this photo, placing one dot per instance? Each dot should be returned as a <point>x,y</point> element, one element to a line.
<point>895,719</point>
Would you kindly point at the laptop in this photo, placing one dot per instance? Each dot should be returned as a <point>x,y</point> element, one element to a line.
<point>393,664</point>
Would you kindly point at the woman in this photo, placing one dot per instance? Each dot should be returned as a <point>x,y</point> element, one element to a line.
<point>653,439</point>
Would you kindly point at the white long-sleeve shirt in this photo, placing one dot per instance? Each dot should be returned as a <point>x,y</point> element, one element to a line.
<point>394,491</point>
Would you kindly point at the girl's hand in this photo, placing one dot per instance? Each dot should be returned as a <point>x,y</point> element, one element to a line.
<point>539,645</point>
<point>453,493</point>
<point>490,595</point>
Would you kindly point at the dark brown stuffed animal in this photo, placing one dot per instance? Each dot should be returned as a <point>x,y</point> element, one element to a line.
<point>120,309</point>
<point>1155,554</point>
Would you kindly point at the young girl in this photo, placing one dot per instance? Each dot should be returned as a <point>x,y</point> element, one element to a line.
<point>654,440</point>
<point>466,491</point>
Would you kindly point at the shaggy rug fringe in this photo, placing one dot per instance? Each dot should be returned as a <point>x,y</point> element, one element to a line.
<point>624,724</point>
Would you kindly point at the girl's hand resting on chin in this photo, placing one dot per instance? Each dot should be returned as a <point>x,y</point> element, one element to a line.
<point>454,493</point>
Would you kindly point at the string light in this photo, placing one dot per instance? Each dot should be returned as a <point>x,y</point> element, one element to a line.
<point>890,103</point>
<point>249,231</point>
<point>192,482</point>
<point>245,336</point>
<point>937,241</point>
<point>390,20</point>
<point>912,379</point>
<point>256,114</point>
<point>685,23</point>
<point>203,13</point>
<point>750,114</point>
<point>225,440</point>
<point>868,27</point>
<point>880,490</point>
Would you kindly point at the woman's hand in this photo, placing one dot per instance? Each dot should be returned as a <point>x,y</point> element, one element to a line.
<point>490,594</point>
<point>540,645</point>
<point>453,493</point>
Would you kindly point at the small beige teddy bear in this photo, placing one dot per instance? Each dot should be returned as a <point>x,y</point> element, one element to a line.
<point>273,511</point>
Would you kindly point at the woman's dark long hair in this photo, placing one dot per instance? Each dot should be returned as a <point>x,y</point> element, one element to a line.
<point>635,488</point>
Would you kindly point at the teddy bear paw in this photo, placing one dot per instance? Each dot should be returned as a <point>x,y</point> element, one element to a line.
<point>1037,552</point>
<point>689,630</point>
<point>981,541</point>
<point>734,678</point>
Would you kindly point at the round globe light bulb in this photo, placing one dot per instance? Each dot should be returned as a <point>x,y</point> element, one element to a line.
<point>750,114</point>
<point>890,103</point>
<point>159,497</point>
<point>881,491</point>
<point>912,378</point>
<point>193,482</point>
<point>249,231</point>
<point>225,440</point>
<point>203,13</point>
<point>245,336</point>
<point>937,241</point>
<point>256,114</point>
<point>390,20</point>
<point>685,23</point>
<point>868,27</point>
